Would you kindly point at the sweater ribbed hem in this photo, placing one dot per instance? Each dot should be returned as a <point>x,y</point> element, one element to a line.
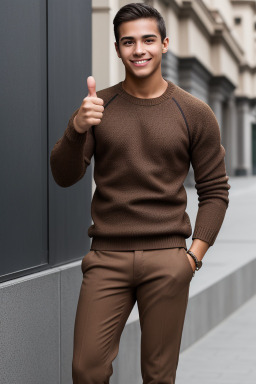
<point>137,243</point>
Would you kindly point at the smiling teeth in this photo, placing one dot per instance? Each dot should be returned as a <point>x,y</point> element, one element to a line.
<point>140,62</point>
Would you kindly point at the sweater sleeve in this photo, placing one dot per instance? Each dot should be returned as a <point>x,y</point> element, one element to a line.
<point>211,180</point>
<point>71,155</point>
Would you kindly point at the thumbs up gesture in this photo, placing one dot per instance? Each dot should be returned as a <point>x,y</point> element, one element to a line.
<point>91,110</point>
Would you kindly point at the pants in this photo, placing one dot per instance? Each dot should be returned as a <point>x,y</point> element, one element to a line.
<point>112,282</point>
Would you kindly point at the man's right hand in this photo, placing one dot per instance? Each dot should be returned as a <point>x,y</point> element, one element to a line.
<point>91,110</point>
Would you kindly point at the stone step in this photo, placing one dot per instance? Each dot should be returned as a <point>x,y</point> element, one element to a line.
<point>226,354</point>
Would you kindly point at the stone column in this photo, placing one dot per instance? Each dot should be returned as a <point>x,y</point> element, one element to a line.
<point>216,103</point>
<point>243,138</point>
<point>229,135</point>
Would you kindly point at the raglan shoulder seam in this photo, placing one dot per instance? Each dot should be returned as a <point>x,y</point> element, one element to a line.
<point>186,122</point>
<point>191,108</point>
<point>108,94</point>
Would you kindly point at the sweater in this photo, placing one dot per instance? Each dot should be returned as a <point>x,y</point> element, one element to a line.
<point>142,152</point>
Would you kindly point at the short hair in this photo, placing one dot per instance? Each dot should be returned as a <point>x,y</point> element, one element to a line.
<point>134,11</point>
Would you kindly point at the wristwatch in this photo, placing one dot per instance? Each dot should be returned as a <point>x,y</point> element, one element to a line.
<point>198,263</point>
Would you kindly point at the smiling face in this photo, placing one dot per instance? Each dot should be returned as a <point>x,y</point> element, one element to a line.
<point>140,47</point>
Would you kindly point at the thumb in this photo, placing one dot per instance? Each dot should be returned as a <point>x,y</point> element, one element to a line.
<point>91,84</point>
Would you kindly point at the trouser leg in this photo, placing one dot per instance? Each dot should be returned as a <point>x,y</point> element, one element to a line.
<point>105,302</point>
<point>162,297</point>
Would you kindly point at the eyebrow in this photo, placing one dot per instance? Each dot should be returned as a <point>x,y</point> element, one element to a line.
<point>132,38</point>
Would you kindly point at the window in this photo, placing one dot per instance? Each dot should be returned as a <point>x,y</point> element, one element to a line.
<point>237,20</point>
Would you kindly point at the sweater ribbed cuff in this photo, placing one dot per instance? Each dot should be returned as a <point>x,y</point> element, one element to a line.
<point>205,234</point>
<point>72,134</point>
<point>209,221</point>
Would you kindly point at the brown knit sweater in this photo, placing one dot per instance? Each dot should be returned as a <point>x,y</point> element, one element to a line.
<point>142,152</point>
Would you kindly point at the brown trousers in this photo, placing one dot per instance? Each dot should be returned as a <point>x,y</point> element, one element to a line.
<point>159,280</point>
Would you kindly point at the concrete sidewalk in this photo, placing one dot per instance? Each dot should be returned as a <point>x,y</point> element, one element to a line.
<point>227,354</point>
<point>235,245</point>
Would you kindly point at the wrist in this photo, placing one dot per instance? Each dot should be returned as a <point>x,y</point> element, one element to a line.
<point>77,129</point>
<point>198,263</point>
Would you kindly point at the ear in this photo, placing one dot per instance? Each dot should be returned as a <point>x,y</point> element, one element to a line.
<point>165,45</point>
<point>117,50</point>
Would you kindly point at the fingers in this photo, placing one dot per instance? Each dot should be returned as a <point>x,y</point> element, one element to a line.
<point>94,121</point>
<point>89,105</point>
<point>96,115</point>
<point>95,100</point>
<point>91,84</point>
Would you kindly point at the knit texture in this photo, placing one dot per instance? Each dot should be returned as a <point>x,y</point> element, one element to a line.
<point>142,153</point>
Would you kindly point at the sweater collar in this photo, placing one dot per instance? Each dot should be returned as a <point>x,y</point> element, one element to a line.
<point>153,101</point>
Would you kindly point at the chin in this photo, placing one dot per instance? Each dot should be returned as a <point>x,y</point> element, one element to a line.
<point>140,74</point>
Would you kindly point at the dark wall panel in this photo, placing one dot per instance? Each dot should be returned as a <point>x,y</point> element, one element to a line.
<point>23,143</point>
<point>69,65</point>
<point>45,61</point>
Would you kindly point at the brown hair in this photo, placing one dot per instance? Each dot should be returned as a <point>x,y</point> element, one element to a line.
<point>133,11</point>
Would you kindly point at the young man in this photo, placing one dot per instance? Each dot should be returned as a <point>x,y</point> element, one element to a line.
<point>143,133</point>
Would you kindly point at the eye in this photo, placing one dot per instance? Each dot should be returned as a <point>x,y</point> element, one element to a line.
<point>128,41</point>
<point>151,40</point>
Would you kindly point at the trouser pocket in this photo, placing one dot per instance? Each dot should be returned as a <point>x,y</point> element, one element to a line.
<point>187,263</point>
<point>86,260</point>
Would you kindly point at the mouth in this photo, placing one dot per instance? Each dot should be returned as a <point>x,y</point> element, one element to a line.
<point>140,63</point>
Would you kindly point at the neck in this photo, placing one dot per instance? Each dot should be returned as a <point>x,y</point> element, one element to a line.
<point>145,88</point>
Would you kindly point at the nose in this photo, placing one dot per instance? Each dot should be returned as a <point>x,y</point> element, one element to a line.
<point>139,49</point>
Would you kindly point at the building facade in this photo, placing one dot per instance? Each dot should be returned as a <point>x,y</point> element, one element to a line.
<point>212,54</point>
